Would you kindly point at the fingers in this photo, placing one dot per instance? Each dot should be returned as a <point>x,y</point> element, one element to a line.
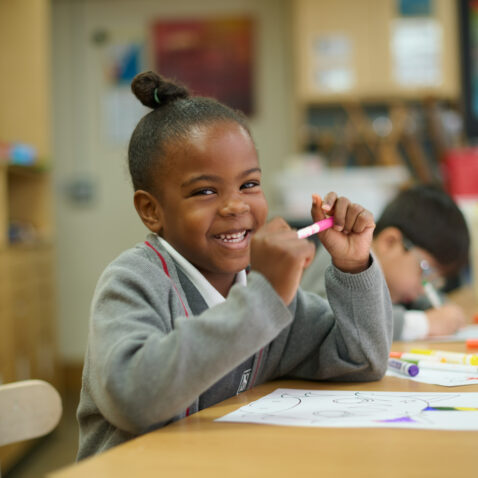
<point>459,314</point>
<point>340,212</point>
<point>277,233</point>
<point>358,219</point>
<point>348,217</point>
<point>317,212</point>
<point>274,225</point>
<point>329,202</point>
<point>280,256</point>
<point>446,319</point>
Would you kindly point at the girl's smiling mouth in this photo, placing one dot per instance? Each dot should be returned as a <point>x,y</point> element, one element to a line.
<point>233,237</point>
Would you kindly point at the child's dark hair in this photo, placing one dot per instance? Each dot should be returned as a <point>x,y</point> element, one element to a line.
<point>175,112</point>
<point>429,218</point>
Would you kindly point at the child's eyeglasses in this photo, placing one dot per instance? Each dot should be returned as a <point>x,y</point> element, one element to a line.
<point>429,273</point>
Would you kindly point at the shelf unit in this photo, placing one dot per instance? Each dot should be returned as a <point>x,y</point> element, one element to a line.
<point>353,41</point>
<point>28,339</point>
<point>348,57</point>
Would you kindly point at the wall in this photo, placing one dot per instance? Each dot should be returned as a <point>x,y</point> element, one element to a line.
<point>92,233</point>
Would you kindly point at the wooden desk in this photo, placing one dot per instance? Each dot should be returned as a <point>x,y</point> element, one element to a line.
<point>199,447</point>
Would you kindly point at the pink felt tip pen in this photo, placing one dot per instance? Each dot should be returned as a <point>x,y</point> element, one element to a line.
<point>315,228</point>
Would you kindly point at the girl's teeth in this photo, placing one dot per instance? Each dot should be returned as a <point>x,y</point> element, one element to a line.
<point>237,237</point>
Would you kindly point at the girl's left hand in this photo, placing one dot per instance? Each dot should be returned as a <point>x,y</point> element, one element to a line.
<point>350,239</point>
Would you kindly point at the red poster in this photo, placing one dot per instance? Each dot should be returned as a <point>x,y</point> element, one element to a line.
<point>212,57</point>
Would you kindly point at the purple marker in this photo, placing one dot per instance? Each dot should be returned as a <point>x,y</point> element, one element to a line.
<point>405,368</point>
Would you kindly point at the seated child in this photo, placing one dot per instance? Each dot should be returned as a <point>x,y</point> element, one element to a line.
<point>420,236</point>
<point>176,324</point>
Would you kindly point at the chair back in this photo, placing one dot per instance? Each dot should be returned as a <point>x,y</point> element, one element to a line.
<point>28,409</point>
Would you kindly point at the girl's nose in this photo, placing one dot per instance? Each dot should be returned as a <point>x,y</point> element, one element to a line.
<point>234,206</point>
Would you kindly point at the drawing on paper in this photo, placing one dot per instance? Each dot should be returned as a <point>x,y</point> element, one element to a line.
<point>317,408</point>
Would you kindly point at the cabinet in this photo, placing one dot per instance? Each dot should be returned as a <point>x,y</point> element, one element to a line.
<point>377,83</point>
<point>374,49</point>
<point>28,345</point>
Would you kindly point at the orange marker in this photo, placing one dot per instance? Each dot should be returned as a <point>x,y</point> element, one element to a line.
<point>472,343</point>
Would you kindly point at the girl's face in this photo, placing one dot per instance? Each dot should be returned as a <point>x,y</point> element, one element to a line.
<point>211,200</point>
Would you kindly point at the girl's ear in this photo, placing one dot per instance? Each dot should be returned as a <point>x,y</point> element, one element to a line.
<point>149,210</point>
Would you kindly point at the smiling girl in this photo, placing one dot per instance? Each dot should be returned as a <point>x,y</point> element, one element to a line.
<point>177,325</point>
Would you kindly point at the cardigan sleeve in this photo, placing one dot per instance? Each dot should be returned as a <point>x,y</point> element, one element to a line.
<point>147,362</point>
<point>348,338</point>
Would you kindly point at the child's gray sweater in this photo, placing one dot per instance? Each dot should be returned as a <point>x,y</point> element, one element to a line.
<point>313,280</point>
<point>147,364</point>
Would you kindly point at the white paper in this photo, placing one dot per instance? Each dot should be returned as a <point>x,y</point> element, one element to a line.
<point>121,113</point>
<point>332,408</point>
<point>332,62</point>
<point>440,377</point>
<point>416,46</point>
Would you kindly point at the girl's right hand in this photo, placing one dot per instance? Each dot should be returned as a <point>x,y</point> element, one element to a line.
<point>281,257</point>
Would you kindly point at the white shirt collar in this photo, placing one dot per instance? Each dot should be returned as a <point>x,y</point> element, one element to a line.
<point>205,288</point>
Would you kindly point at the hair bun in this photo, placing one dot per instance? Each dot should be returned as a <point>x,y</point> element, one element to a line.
<point>154,91</point>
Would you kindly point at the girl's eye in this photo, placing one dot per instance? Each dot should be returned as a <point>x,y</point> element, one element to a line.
<point>203,192</point>
<point>250,184</point>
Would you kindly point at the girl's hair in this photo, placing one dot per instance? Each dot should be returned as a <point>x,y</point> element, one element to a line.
<point>429,218</point>
<point>175,113</point>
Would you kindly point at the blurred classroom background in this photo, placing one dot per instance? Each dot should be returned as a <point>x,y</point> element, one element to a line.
<point>361,97</point>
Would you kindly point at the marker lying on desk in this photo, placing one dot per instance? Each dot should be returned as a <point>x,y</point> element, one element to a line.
<point>472,343</point>
<point>449,357</point>
<point>414,357</point>
<point>446,367</point>
<point>401,366</point>
<point>315,228</point>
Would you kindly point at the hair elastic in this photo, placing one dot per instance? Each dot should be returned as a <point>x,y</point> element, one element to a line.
<point>156,96</point>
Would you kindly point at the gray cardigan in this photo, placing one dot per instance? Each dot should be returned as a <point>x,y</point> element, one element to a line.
<point>147,364</point>
<point>313,280</point>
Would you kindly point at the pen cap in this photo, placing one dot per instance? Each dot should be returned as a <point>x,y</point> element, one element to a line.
<point>413,370</point>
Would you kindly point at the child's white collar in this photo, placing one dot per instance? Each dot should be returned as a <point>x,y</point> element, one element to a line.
<point>209,293</point>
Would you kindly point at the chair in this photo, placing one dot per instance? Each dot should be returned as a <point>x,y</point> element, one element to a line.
<point>28,409</point>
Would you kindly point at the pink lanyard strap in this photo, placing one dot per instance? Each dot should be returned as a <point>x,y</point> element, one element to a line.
<point>166,271</point>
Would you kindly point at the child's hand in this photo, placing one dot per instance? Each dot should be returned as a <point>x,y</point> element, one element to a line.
<point>445,320</point>
<point>348,242</point>
<point>279,255</point>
